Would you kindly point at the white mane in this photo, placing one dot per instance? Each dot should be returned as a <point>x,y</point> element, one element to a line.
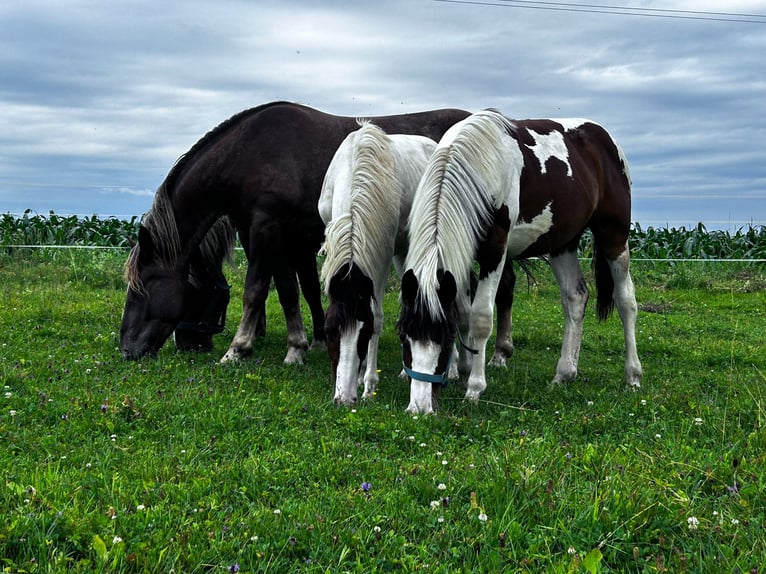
<point>365,233</point>
<point>455,202</point>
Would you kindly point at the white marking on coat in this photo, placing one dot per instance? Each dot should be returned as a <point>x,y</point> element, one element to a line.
<point>570,124</point>
<point>525,233</point>
<point>550,146</point>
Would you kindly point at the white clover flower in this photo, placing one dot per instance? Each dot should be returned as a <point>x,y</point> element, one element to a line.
<point>376,529</point>
<point>698,421</point>
<point>658,436</point>
<point>277,512</point>
<point>693,522</point>
<point>435,504</point>
<point>734,521</point>
<point>643,402</point>
<point>8,395</point>
<point>116,540</point>
<point>440,520</point>
<point>571,551</point>
<point>483,517</point>
<point>140,507</point>
<point>442,486</point>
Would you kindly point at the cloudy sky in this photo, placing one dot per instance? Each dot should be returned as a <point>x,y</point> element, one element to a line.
<point>98,99</point>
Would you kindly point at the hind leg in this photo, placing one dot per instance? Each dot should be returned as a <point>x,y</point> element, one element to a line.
<point>625,300</point>
<point>312,292</point>
<point>286,282</point>
<point>504,304</point>
<point>574,297</point>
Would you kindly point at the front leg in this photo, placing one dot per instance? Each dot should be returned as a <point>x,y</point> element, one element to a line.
<point>286,282</point>
<point>504,304</point>
<point>257,281</point>
<point>481,322</point>
<point>312,293</point>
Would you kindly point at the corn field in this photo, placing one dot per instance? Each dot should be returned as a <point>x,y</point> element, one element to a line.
<point>650,243</point>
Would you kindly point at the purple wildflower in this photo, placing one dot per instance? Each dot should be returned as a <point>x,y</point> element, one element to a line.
<point>234,568</point>
<point>366,486</point>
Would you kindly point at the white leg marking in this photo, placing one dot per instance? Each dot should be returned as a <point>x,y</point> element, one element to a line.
<point>425,357</point>
<point>371,375</point>
<point>574,296</point>
<point>348,367</point>
<point>481,322</point>
<point>625,300</point>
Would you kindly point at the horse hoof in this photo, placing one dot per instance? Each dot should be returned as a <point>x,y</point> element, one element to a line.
<point>472,396</point>
<point>232,356</point>
<point>498,361</point>
<point>318,346</point>
<point>294,357</point>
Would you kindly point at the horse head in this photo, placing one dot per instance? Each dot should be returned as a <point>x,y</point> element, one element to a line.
<point>427,339</point>
<point>204,314</point>
<point>349,326</point>
<point>155,301</point>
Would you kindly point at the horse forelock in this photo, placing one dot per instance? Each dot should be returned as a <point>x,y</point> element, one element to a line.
<point>351,297</point>
<point>455,204</point>
<point>365,234</point>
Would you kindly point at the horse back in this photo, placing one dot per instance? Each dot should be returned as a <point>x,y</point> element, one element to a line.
<point>574,177</point>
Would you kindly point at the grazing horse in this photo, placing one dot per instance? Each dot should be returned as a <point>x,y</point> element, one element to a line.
<point>564,176</point>
<point>264,169</point>
<point>463,211</point>
<point>365,201</point>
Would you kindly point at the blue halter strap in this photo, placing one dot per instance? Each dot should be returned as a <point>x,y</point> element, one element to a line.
<point>437,379</point>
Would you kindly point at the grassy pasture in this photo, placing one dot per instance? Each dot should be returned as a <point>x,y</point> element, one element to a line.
<point>182,464</point>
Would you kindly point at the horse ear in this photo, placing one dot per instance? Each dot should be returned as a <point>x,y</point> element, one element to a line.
<point>409,286</point>
<point>145,245</point>
<point>447,288</point>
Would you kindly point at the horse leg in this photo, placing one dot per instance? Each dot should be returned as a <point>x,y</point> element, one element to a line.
<point>312,292</point>
<point>574,297</point>
<point>257,281</point>
<point>260,314</point>
<point>481,323</point>
<point>625,300</point>
<point>371,375</point>
<point>504,304</point>
<point>286,282</point>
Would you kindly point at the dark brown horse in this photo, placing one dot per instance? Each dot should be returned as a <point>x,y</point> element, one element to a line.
<point>263,168</point>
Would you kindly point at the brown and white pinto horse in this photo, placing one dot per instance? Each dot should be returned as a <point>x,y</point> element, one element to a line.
<point>512,190</point>
<point>264,169</point>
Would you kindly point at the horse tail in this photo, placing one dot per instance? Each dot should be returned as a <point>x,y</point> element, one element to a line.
<point>604,283</point>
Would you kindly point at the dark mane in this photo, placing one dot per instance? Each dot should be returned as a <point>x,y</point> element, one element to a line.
<point>214,134</point>
<point>160,220</point>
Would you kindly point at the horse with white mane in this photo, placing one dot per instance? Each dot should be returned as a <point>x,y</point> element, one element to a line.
<point>365,201</point>
<point>497,189</point>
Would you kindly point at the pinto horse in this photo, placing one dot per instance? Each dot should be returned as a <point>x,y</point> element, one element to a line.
<point>498,190</point>
<point>264,169</point>
<point>365,201</point>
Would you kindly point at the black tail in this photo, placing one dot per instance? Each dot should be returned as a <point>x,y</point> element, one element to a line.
<point>604,284</point>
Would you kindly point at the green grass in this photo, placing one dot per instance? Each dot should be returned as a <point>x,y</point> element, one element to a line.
<point>182,464</point>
